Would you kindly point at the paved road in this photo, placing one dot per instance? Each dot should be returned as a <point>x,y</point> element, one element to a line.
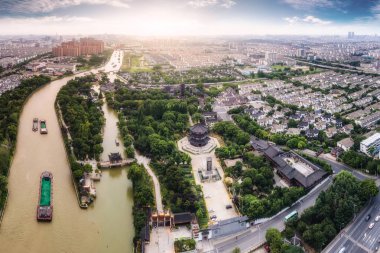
<point>338,167</point>
<point>256,235</point>
<point>358,237</point>
<point>332,67</point>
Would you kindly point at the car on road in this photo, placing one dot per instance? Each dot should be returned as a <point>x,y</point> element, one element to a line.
<point>371,225</point>
<point>368,217</point>
<point>377,218</point>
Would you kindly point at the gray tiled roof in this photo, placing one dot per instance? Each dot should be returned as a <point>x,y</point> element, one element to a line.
<point>277,157</point>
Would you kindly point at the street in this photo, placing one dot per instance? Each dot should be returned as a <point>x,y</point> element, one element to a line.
<point>256,235</point>
<point>358,237</point>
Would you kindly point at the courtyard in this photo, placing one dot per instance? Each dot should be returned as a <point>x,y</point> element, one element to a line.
<point>215,192</point>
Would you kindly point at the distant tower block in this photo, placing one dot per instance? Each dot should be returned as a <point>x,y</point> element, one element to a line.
<point>209,163</point>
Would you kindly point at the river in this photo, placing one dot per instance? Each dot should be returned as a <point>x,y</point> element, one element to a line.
<point>107,226</point>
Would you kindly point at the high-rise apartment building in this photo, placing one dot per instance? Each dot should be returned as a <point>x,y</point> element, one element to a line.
<point>74,48</point>
<point>301,52</point>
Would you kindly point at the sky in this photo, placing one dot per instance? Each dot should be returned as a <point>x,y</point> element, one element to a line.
<point>189,17</point>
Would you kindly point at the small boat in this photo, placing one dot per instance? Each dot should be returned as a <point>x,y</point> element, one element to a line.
<point>35,124</point>
<point>117,143</point>
<point>43,129</point>
<point>45,203</point>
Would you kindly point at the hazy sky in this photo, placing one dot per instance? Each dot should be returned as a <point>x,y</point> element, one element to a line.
<point>189,17</point>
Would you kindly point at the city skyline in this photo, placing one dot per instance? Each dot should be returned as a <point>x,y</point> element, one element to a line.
<point>190,17</point>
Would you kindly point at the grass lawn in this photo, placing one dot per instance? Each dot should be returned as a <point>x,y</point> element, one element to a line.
<point>279,67</point>
<point>134,63</point>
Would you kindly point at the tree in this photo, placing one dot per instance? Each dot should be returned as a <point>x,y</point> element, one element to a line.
<point>130,152</point>
<point>247,185</point>
<point>236,250</point>
<point>293,249</point>
<point>292,123</point>
<point>368,189</point>
<point>78,174</point>
<point>87,168</point>
<point>197,117</point>
<point>274,239</point>
<point>4,160</point>
<point>3,183</point>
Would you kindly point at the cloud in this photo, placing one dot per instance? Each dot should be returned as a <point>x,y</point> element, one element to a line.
<point>292,20</point>
<point>44,6</point>
<point>315,20</point>
<point>206,3</point>
<point>46,20</point>
<point>307,20</point>
<point>375,10</point>
<point>228,4</point>
<point>310,4</point>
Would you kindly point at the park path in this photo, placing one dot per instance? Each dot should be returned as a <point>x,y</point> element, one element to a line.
<point>157,189</point>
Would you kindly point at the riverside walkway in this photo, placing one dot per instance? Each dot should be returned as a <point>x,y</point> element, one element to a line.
<point>157,189</point>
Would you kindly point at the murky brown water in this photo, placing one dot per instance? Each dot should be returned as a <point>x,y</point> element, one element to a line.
<point>105,227</point>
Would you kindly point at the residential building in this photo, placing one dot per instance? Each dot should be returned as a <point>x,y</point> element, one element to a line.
<point>85,46</point>
<point>345,144</point>
<point>369,120</point>
<point>371,145</point>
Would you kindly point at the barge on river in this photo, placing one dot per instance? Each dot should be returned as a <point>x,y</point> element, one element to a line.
<point>35,125</point>
<point>43,129</point>
<point>45,203</point>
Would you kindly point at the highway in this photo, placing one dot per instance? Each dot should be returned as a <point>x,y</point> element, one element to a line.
<point>358,237</point>
<point>360,71</point>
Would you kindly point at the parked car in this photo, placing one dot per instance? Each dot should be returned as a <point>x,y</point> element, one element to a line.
<point>228,206</point>
<point>377,218</point>
<point>368,217</point>
<point>342,250</point>
<point>371,225</point>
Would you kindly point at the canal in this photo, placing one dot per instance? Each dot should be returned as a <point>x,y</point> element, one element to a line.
<point>105,227</point>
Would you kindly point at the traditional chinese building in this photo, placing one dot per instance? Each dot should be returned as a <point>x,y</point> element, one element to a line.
<point>199,135</point>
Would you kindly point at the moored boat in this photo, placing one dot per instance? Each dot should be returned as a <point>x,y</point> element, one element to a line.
<point>35,124</point>
<point>43,129</point>
<point>45,202</point>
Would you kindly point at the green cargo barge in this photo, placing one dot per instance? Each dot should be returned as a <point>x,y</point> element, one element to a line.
<point>45,206</point>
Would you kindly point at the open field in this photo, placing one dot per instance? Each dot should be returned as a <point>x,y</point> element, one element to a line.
<point>134,63</point>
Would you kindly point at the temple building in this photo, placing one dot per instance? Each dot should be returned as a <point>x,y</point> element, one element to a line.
<point>115,158</point>
<point>293,168</point>
<point>198,135</point>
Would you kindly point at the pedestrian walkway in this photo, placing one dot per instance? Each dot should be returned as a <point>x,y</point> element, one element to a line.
<point>157,189</point>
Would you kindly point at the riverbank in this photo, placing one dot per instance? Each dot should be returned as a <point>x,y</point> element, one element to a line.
<point>35,153</point>
<point>26,90</point>
<point>105,227</point>
<point>69,152</point>
<point>115,183</point>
